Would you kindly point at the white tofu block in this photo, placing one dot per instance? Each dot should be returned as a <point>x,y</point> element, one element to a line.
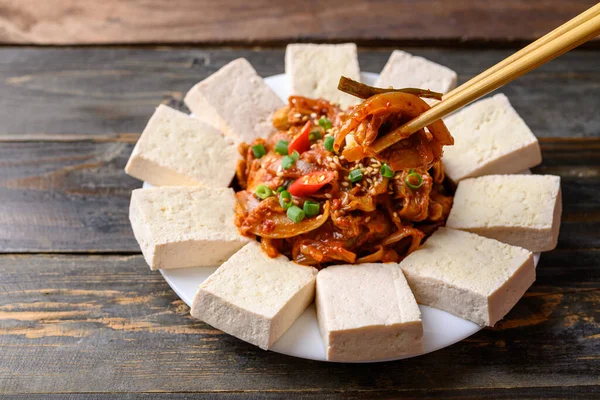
<point>179,227</point>
<point>489,138</point>
<point>314,70</point>
<point>236,100</point>
<point>473,277</point>
<point>403,70</point>
<point>178,150</point>
<point>522,210</point>
<point>367,312</point>
<point>254,297</point>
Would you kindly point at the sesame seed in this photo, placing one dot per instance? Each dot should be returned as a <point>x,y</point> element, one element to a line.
<point>345,184</point>
<point>390,192</point>
<point>367,219</point>
<point>313,115</point>
<point>319,216</point>
<point>329,159</point>
<point>342,158</point>
<point>332,165</point>
<point>328,195</point>
<point>395,214</point>
<point>369,170</point>
<point>321,178</point>
<point>305,118</point>
<point>297,115</point>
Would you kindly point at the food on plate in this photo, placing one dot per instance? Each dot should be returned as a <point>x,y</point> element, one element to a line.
<point>468,275</point>
<point>255,297</point>
<point>522,210</point>
<point>367,312</point>
<point>489,138</point>
<point>177,150</point>
<point>318,206</point>
<point>315,192</point>
<point>405,70</point>
<point>236,100</point>
<point>184,226</point>
<point>315,69</point>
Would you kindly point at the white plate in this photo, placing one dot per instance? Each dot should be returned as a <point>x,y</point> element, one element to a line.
<point>303,340</point>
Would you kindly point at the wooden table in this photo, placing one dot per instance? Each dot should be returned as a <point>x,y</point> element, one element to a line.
<point>82,316</point>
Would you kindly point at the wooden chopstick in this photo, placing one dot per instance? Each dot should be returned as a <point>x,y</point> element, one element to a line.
<point>567,26</point>
<point>473,91</point>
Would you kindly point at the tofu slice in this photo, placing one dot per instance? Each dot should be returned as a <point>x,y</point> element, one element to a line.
<point>254,297</point>
<point>522,210</point>
<point>403,70</point>
<point>178,150</point>
<point>179,227</point>
<point>314,70</point>
<point>236,100</point>
<point>489,138</point>
<point>367,312</point>
<point>473,277</point>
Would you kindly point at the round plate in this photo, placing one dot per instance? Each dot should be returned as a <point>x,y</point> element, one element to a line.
<point>440,329</point>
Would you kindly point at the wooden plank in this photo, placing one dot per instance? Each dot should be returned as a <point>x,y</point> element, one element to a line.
<point>107,324</point>
<point>73,196</point>
<point>67,92</point>
<point>264,21</point>
<point>572,392</point>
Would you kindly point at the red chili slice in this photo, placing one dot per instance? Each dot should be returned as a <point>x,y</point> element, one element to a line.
<point>310,183</point>
<point>301,142</point>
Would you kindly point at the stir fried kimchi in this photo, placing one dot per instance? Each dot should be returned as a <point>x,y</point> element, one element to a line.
<point>318,193</point>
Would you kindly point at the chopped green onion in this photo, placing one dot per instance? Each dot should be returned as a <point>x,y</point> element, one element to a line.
<point>259,150</point>
<point>325,123</point>
<point>311,208</point>
<point>285,199</point>
<point>413,174</point>
<point>283,187</point>
<point>282,147</point>
<point>386,171</point>
<point>263,191</point>
<point>355,175</point>
<point>328,143</point>
<point>295,213</point>
<point>314,136</point>
<point>288,161</point>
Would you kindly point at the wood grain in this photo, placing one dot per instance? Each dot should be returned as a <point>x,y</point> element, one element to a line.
<point>91,91</point>
<point>107,324</point>
<point>549,393</point>
<point>267,21</point>
<point>73,196</point>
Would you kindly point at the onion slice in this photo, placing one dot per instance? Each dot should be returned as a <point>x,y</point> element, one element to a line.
<point>279,226</point>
